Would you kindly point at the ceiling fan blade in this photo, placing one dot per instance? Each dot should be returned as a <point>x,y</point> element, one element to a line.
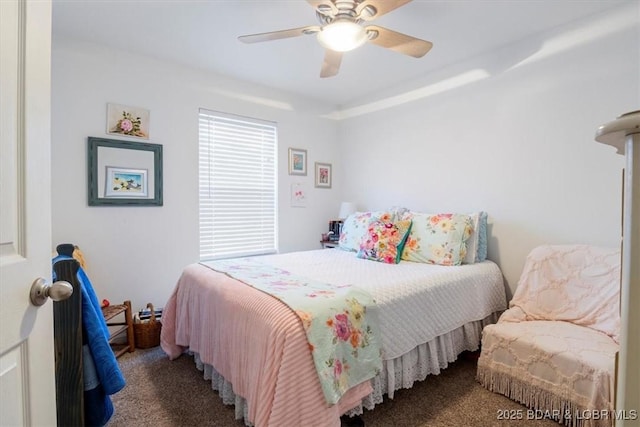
<point>380,7</point>
<point>282,34</point>
<point>398,42</point>
<point>331,63</point>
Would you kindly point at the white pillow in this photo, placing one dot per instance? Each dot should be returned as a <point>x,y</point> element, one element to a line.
<point>479,223</point>
<point>472,243</point>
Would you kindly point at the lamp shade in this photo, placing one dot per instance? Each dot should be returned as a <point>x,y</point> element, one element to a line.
<point>615,133</point>
<point>346,209</point>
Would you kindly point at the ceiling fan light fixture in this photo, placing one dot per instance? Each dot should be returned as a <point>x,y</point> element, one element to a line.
<point>342,36</point>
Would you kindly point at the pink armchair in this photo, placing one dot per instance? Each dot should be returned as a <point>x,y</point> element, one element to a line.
<point>554,349</point>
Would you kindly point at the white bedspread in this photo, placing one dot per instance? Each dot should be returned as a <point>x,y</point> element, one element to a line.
<point>449,296</point>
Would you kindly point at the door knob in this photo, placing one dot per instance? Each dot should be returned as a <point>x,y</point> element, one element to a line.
<point>40,291</point>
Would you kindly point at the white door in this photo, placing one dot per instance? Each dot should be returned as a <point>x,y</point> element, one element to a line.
<point>27,384</point>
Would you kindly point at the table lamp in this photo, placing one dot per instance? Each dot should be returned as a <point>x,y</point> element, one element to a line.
<point>346,209</point>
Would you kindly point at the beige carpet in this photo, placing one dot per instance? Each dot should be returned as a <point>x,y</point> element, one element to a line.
<point>161,392</point>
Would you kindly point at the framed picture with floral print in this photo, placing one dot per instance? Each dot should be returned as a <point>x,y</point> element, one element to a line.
<point>297,161</point>
<point>298,195</point>
<point>323,175</point>
<point>127,121</point>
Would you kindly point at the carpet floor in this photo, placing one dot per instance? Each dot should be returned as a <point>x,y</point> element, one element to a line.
<point>161,392</point>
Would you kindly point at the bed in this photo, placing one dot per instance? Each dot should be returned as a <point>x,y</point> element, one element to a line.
<point>255,351</point>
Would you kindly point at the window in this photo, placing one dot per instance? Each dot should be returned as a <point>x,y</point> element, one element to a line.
<point>238,196</point>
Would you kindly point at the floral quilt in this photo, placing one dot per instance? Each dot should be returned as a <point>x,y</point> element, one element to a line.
<point>340,321</point>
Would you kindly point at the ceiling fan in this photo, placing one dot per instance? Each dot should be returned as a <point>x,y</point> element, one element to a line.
<point>341,29</point>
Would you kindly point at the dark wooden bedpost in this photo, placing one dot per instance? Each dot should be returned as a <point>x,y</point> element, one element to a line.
<point>67,329</point>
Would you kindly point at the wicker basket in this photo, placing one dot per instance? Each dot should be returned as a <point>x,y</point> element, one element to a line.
<point>147,333</point>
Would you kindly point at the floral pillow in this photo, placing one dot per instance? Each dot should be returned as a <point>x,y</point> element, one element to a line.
<point>438,238</point>
<point>399,212</point>
<point>384,241</point>
<point>354,228</point>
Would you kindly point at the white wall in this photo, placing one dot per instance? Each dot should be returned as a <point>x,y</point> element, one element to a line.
<point>137,253</point>
<point>518,143</point>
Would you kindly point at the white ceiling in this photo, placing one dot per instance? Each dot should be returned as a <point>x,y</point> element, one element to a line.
<point>204,34</point>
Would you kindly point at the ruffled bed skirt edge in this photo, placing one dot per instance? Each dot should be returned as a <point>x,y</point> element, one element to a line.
<point>425,359</point>
<point>542,403</point>
<point>402,372</point>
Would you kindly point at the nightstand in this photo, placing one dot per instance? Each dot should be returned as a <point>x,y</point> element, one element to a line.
<point>328,244</point>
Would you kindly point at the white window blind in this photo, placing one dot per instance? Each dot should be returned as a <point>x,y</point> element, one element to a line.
<point>238,196</point>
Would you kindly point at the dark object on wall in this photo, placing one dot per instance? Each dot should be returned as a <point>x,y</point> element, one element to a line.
<point>124,173</point>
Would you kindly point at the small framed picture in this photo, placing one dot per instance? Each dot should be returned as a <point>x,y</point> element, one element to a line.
<point>298,195</point>
<point>323,175</point>
<point>122,182</point>
<point>127,121</point>
<point>297,161</point>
